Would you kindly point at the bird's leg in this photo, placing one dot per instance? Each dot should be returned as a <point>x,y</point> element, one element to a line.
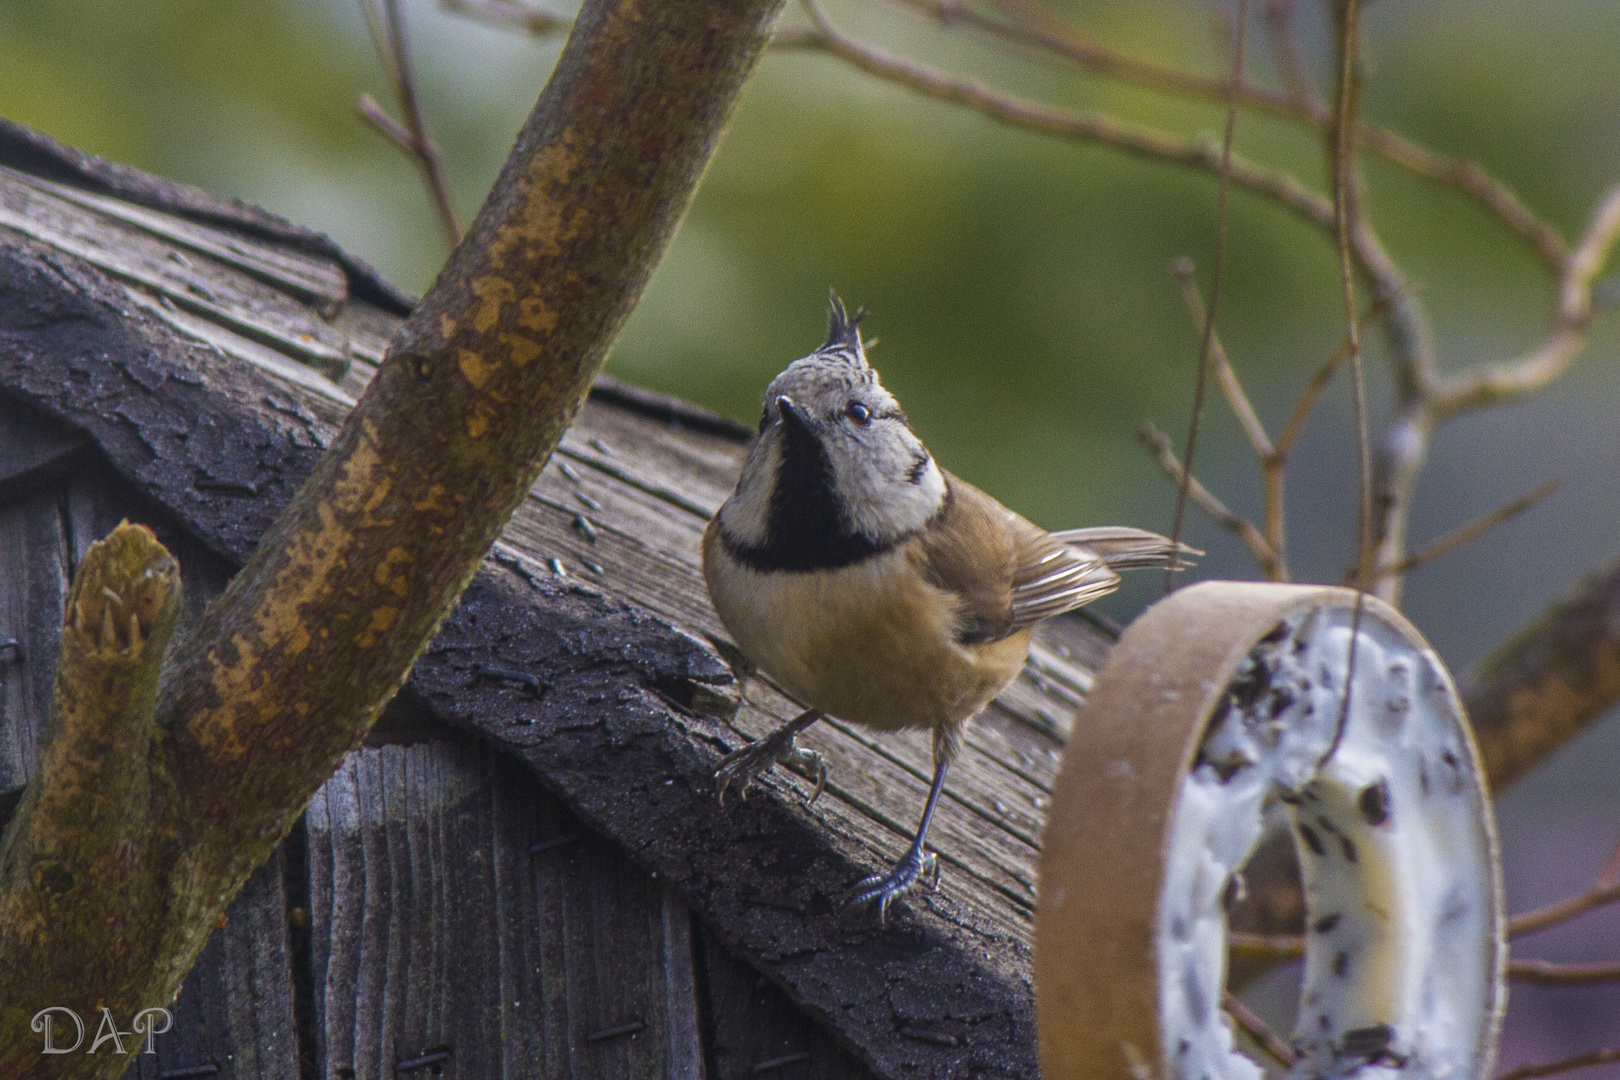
<point>918,861</point>
<point>738,768</point>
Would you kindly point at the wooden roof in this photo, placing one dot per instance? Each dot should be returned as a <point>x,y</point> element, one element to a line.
<point>206,352</point>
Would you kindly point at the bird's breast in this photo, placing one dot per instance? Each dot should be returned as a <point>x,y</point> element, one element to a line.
<point>872,642</point>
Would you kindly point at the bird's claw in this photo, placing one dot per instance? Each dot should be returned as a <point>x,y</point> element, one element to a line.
<point>808,764</point>
<point>886,888</point>
<point>739,768</point>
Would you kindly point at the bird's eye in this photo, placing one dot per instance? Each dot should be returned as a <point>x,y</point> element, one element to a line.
<point>859,413</point>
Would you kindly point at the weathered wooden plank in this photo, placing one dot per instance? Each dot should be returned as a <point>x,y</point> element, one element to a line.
<point>311,279</point>
<point>33,583</point>
<point>462,921</point>
<point>35,450</point>
<point>197,283</point>
<point>234,1014</point>
<point>756,1032</point>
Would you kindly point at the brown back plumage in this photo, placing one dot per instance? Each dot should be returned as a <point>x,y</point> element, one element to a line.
<point>1009,574</point>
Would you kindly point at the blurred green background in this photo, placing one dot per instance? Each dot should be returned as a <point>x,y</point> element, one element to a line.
<point>1018,283</point>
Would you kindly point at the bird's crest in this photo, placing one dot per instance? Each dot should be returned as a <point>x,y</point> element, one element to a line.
<point>843,331</point>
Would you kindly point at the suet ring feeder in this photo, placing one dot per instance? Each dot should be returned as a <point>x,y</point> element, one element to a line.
<point>1223,709</point>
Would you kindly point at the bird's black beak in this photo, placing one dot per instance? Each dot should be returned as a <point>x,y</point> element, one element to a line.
<point>792,414</point>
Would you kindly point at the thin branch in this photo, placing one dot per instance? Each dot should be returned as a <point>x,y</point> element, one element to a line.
<point>1345,208</point>
<point>1547,973</point>
<point>389,128</point>
<point>1258,1030</point>
<point>1605,890</point>
<point>260,701</point>
<point>1029,24</point>
<point>1158,443</point>
<point>1290,58</point>
<point>1313,390</point>
<point>1273,947</point>
<point>1202,154</point>
<point>1207,338</point>
<point>1580,1061</point>
<point>511,15</point>
<point>1271,463</point>
<point>1242,408</point>
<point>1467,534</point>
<point>387,25</point>
<point>1501,383</point>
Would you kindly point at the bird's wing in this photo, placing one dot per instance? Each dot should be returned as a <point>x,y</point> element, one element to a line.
<point>1006,573</point>
<point>1053,577</point>
<point>967,550</point>
<point>1124,548</point>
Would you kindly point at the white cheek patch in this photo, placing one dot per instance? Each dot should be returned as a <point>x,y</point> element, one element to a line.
<point>879,495</point>
<point>1396,851</point>
<point>746,515</point>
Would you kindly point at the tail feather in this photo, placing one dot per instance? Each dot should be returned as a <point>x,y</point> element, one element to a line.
<point>1124,548</point>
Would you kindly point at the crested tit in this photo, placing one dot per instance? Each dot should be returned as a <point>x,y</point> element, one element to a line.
<point>874,586</point>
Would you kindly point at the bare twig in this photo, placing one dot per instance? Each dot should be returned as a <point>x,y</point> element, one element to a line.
<point>511,15</point>
<point>1029,24</point>
<point>1202,154</point>
<point>392,130</point>
<point>1313,390</point>
<point>1242,408</point>
<point>1500,383</point>
<point>1158,443</point>
<point>1273,947</point>
<point>1605,890</point>
<point>1580,1061</point>
<point>1207,337</point>
<point>1342,158</point>
<point>388,32</point>
<point>1547,973</point>
<point>1270,461</point>
<point>1470,532</point>
<point>1426,398</point>
<point>1258,1030</point>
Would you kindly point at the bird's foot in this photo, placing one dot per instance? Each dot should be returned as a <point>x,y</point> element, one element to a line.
<point>739,768</point>
<point>885,888</point>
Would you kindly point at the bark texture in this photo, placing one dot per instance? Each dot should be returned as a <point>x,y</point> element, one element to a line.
<point>85,855</point>
<point>288,669</point>
<point>1544,685</point>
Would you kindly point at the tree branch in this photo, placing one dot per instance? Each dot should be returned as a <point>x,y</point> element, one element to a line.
<point>1272,463</point>
<point>510,15</point>
<point>1549,681</point>
<point>1551,1068</point>
<point>1547,973</point>
<point>387,24</point>
<point>289,666</point>
<point>1030,115</point>
<point>1258,1030</point>
<point>1158,444</point>
<point>1499,383</point>
<point>1467,534</point>
<point>1206,337</point>
<point>96,832</point>
<point>1029,24</point>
